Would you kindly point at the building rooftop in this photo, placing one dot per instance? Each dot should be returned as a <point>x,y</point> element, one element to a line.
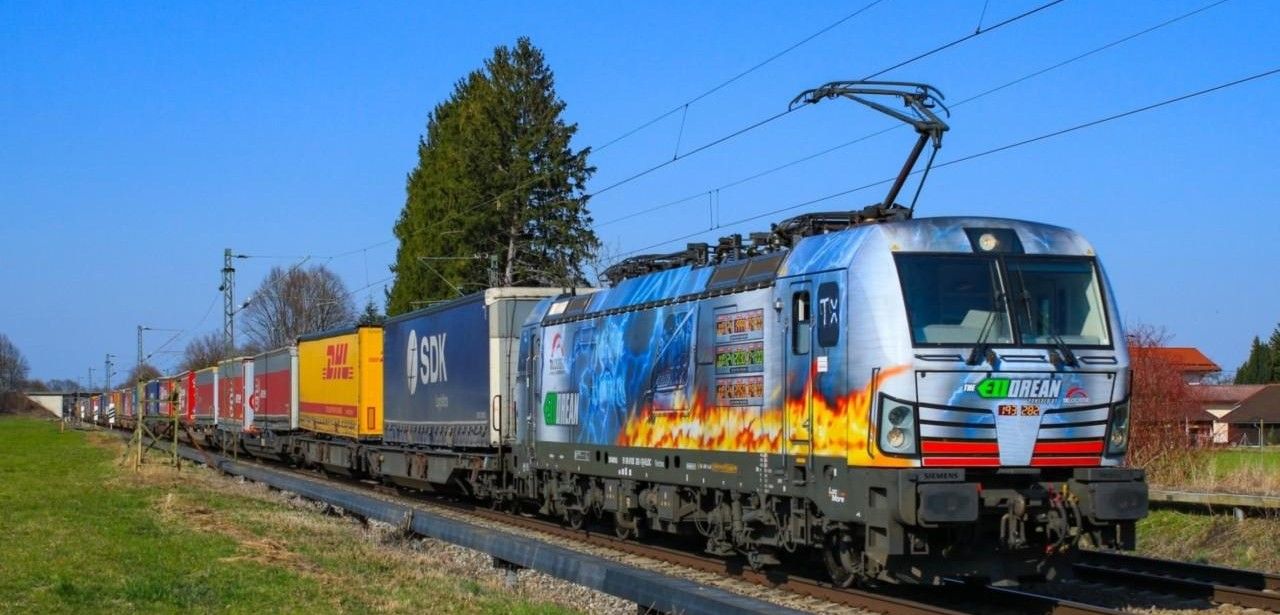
<point>1185,359</point>
<point>1225,394</point>
<point>1261,406</point>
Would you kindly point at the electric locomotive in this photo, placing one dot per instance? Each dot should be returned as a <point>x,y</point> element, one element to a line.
<point>910,400</point>
<point>916,399</point>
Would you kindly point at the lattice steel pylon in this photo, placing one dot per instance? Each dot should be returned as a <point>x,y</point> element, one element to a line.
<point>228,302</point>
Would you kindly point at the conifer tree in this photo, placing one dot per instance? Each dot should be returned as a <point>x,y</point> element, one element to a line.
<point>1273,352</point>
<point>1259,368</point>
<point>498,195</point>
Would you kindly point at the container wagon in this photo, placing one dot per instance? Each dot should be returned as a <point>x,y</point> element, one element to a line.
<point>273,403</point>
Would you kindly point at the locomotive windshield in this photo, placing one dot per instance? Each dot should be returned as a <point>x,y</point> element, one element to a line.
<point>969,299</point>
<point>1057,298</point>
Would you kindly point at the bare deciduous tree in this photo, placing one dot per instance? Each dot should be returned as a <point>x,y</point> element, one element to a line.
<point>63,385</point>
<point>295,301</point>
<point>204,351</point>
<point>143,372</point>
<point>13,366</point>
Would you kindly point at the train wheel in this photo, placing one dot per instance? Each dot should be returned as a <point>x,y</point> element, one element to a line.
<point>575,519</point>
<point>626,525</point>
<point>842,559</point>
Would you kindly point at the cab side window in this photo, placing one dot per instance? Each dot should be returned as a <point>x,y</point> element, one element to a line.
<point>801,322</point>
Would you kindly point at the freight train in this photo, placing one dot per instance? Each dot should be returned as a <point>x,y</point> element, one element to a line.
<point>912,400</point>
<point>903,400</point>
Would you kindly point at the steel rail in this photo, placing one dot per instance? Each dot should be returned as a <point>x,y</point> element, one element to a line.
<point>1246,588</point>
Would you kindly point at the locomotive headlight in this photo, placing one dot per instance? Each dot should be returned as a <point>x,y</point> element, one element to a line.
<point>899,414</point>
<point>1118,441</point>
<point>988,242</point>
<point>897,428</point>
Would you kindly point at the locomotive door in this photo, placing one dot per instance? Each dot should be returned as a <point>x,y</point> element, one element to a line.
<point>798,348</point>
<point>814,379</point>
<point>532,360</point>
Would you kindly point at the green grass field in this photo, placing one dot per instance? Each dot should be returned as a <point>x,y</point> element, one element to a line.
<point>80,534</point>
<point>1230,461</point>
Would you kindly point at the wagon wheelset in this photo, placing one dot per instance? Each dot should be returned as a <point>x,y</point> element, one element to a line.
<point>626,525</point>
<point>842,558</point>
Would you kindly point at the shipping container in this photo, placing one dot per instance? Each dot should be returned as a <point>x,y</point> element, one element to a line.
<point>451,380</point>
<point>167,386</point>
<point>205,407</point>
<point>340,382</point>
<point>127,408</point>
<point>152,392</point>
<point>188,407</point>
<point>275,390</point>
<point>233,374</point>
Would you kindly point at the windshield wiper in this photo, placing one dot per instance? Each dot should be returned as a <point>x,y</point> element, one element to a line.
<point>981,347</point>
<point>1064,355</point>
<point>1067,356</point>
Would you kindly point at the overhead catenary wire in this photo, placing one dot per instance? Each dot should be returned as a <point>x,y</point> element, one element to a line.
<point>716,88</point>
<point>969,157</point>
<point>896,125</point>
<point>749,127</point>
<point>777,116</point>
<point>736,133</point>
<point>971,35</point>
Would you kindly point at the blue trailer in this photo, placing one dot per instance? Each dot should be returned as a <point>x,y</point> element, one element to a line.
<point>442,384</point>
<point>152,394</point>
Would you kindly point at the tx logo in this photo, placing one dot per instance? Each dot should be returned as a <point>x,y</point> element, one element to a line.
<point>424,360</point>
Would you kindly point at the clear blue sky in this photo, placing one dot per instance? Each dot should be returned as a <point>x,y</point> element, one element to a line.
<point>139,139</point>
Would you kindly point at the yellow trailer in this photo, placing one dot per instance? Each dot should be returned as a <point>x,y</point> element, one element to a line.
<point>340,382</point>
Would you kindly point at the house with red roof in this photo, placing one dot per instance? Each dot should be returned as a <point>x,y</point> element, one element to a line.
<point>1192,363</point>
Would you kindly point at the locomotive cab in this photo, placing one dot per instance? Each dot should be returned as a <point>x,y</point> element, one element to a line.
<point>1001,382</point>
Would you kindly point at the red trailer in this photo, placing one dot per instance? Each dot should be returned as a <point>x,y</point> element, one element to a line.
<point>189,397</point>
<point>275,390</point>
<point>162,398</point>
<point>232,395</point>
<point>205,396</point>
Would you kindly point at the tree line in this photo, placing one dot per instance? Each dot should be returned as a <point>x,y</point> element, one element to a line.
<point>1263,364</point>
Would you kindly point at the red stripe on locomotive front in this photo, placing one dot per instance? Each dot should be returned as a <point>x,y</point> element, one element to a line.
<point>1091,446</point>
<point>930,447</point>
<point>1066,461</point>
<point>962,461</point>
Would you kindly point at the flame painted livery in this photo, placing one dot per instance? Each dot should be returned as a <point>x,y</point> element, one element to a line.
<point>921,399</point>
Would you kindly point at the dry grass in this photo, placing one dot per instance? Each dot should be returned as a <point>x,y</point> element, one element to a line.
<point>1217,470</point>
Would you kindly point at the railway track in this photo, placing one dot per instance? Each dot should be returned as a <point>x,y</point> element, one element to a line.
<point>1215,584</point>
<point>1244,588</point>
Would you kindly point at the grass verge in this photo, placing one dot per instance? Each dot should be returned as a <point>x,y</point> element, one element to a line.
<point>1252,543</point>
<point>1251,471</point>
<point>80,534</point>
